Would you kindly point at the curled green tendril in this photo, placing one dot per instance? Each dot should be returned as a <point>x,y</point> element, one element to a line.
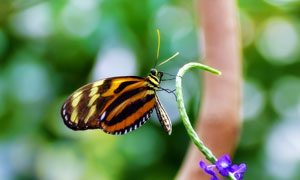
<point>191,132</point>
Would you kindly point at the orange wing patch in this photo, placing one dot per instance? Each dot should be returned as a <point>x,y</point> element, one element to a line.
<point>132,115</point>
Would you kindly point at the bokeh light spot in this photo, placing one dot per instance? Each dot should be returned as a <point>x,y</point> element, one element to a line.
<point>80,20</point>
<point>283,149</point>
<point>279,42</point>
<point>29,82</point>
<point>114,62</point>
<point>35,22</point>
<point>187,45</point>
<point>253,100</point>
<point>285,95</point>
<point>7,171</point>
<point>171,21</point>
<point>247,28</point>
<point>280,2</point>
<point>21,155</point>
<point>59,162</point>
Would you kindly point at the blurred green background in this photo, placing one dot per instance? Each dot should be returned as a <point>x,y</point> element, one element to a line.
<point>48,49</point>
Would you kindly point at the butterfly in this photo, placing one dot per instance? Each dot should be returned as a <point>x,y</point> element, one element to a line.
<point>117,105</point>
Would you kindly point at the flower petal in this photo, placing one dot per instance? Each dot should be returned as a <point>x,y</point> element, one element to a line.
<point>223,165</point>
<point>209,170</point>
<point>237,170</point>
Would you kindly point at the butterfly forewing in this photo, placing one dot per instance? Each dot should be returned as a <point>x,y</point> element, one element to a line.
<point>116,105</point>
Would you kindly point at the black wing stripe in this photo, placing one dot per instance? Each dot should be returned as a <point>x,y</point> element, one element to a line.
<point>130,109</point>
<point>105,86</point>
<point>93,120</point>
<point>142,120</point>
<point>123,85</point>
<point>123,97</point>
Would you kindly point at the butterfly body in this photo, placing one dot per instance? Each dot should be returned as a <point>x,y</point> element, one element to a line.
<point>116,105</point>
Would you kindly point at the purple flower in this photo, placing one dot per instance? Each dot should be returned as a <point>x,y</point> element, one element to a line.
<point>238,170</point>
<point>223,165</point>
<point>208,170</point>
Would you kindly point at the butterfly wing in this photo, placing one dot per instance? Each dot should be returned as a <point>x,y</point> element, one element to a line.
<point>117,105</point>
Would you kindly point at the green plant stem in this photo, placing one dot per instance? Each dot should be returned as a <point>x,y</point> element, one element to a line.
<point>191,132</point>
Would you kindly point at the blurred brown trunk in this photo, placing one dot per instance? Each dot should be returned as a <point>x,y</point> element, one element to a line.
<point>218,125</point>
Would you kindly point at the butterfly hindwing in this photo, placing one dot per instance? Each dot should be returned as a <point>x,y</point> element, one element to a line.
<point>116,105</point>
<point>129,114</point>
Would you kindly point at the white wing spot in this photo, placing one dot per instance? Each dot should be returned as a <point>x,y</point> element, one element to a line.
<point>66,117</point>
<point>130,129</point>
<point>135,126</point>
<point>64,112</point>
<point>125,131</point>
<point>103,116</point>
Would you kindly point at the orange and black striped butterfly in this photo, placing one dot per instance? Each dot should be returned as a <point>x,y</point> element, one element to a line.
<point>116,105</point>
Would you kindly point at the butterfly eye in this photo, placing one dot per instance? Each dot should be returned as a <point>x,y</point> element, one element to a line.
<point>153,72</point>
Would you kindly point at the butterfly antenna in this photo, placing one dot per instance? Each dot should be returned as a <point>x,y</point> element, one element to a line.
<point>176,54</point>
<point>158,46</point>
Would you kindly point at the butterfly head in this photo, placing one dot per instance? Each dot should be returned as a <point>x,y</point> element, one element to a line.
<point>156,74</point>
